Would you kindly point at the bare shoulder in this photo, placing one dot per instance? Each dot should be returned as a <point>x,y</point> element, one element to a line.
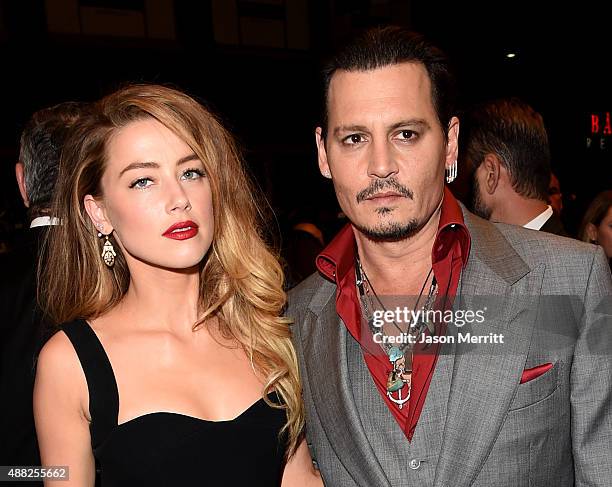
<point>58,355</point>
<point>60,405</point>
<point>59,371</point>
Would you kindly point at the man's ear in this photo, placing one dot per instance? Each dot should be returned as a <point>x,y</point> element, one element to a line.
<point>492,167</point>
<point>20,175</point>
<point>97,214</point>
<point>322,153</point>
<point>452,146</point>
<point>591,231</point>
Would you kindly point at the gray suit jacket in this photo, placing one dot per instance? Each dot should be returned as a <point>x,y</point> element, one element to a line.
<point>551,298</point>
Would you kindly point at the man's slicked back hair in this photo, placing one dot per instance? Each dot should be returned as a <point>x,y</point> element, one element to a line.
<point>380,47</point>
<point>514,132</point>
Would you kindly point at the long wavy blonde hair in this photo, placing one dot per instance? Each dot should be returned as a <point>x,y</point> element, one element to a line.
<point>241,281</point>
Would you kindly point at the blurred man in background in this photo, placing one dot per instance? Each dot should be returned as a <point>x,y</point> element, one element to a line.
<point>505,145</point>
<point>21,321</point>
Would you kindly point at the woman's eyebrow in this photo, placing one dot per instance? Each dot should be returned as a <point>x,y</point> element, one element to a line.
<point>155,165</point>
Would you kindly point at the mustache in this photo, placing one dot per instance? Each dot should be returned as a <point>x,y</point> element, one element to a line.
<point>380,185</point>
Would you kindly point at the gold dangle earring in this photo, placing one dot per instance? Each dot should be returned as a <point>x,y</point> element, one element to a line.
<point>108,251</point>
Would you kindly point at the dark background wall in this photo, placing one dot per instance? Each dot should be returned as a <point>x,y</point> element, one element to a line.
<point>256,62</point>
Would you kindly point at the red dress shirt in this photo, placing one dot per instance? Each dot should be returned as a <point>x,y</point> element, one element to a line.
<point>449,255</point>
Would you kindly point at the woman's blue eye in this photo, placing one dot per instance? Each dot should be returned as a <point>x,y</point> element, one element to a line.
<point>193,174</point>
<point>140,183</point>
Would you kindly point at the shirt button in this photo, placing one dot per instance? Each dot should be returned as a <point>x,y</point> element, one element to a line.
<point>414,463</point>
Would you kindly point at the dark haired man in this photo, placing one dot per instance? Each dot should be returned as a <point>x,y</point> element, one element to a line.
<point>505,144</point>
<point>382,411</point>
<point>20,319</point>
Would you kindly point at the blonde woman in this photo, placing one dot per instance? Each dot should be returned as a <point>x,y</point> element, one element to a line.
<point>174,365</point>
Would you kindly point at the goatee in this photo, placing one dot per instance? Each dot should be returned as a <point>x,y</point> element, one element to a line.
<point>392,231</point>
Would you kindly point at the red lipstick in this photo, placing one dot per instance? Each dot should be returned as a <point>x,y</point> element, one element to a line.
<point>182,230</point>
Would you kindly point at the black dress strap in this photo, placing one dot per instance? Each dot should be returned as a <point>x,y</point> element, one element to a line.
<point>103,392</point>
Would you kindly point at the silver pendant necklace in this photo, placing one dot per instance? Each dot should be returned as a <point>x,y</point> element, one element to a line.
<point>399,379</point>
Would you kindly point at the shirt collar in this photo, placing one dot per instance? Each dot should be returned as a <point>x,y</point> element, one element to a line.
<point>338,258</point>
<point>540,220</point>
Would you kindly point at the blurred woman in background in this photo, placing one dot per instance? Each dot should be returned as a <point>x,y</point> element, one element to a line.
<point>596,225</point>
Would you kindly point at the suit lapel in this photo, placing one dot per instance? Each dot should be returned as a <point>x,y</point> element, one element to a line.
<point>324,344</point>
<point>485,376</point>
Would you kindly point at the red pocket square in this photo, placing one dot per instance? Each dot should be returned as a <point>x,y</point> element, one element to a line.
<point>532,373</point>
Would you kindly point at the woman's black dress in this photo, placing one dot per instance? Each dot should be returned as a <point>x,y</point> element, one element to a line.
<point>173,449</point>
